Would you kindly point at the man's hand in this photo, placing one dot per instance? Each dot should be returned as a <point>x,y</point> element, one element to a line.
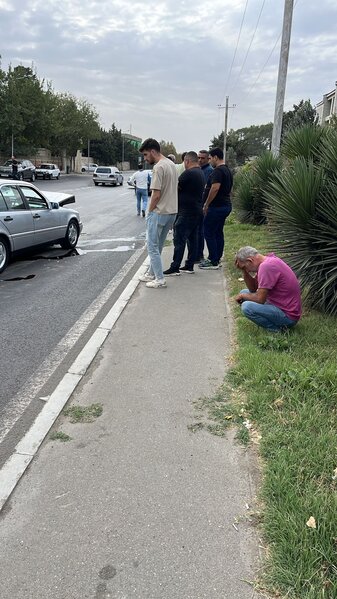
<point>239,298</point>
<point>205,209</point>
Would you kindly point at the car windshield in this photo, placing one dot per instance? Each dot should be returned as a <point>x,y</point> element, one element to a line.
<point>50,166</point>
<point>103,169</point>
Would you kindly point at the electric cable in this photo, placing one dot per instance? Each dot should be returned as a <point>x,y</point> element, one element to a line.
<point>236,48</point>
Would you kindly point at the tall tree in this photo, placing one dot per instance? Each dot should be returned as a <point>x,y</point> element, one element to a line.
<point>302,114</point>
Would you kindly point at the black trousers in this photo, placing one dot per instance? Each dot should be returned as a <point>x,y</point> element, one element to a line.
<point>185,231</point>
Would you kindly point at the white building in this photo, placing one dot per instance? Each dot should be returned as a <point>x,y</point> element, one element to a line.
<point>327,107</point>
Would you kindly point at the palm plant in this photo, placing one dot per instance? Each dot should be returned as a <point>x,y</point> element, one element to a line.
<point>306,141</point>
<point>302,217</point>
<point>249,194</point>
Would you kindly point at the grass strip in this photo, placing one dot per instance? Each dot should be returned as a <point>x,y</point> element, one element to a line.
<point>289,383</point>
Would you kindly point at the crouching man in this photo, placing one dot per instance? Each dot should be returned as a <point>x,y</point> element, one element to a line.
<point>273,297</point>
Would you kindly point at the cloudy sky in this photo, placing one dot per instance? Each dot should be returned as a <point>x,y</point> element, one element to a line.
<point>163,67</point>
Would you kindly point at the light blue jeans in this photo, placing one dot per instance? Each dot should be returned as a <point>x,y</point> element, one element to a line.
<point>141,194</point>
<point>158,226</point>
<point>266,315</point>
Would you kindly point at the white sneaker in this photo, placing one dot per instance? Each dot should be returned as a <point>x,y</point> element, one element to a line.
<point>146,277</point>
<point>156,283</point>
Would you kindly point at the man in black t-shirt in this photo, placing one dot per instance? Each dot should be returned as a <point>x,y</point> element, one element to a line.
<point>217,206</point>
<point>191,185</point>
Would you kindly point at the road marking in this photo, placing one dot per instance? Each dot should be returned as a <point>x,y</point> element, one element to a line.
<point>27,448</point>
<point>18,404</point>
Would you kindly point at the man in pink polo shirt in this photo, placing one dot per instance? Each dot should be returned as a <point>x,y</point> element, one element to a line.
<point>273,297</point>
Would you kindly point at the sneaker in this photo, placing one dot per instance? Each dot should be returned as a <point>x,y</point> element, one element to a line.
<point>171,272</point>
<point>143,213</point>
<point>208,265</point>
<point>146,277</point>
<point>187,269</point>
<point>156,283</point>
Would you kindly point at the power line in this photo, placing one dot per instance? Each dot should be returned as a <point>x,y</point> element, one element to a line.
<point>250,45</point>
<point>236,47</point>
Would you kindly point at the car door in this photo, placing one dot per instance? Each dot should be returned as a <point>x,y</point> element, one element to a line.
<point>46,220</point>
<point>17,219</point>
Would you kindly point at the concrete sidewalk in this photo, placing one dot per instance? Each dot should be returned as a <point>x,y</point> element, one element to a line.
<point>137,505</point>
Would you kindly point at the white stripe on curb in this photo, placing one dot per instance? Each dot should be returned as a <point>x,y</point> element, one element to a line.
<point>27,448</point>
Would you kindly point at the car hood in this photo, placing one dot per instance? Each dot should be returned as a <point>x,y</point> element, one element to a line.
<point>61,198</point>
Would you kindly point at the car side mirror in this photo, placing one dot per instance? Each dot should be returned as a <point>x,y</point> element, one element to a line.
<point>54,205</point>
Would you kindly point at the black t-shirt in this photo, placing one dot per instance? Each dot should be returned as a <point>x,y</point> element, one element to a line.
<point>221,174</point>
<point>191,185</point>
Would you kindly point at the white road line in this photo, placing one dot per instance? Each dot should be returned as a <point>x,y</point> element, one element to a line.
<point>27,448</point>
<point>18,404</point>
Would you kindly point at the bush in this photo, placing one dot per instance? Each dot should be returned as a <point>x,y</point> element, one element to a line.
<point>249,190</point>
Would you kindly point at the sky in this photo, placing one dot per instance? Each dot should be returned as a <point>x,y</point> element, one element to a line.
<point>162,68</point>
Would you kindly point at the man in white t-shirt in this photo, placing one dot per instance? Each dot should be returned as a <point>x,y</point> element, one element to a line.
<point>162,209</point>
<point>141,179</point>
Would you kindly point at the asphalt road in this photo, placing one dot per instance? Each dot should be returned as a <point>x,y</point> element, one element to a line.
<point>48,316</point>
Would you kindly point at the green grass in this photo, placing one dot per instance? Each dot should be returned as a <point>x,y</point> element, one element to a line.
<point>59,436</point>
<point>84,413</point>
<point>289,383</point>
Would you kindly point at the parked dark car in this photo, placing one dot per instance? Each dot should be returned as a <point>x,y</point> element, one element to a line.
<point>26,170</point>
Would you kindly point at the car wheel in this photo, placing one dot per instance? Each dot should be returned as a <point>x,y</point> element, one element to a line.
<point>72,236</point>
<point>4,253</point>
<point>95,184</point>
<point>83,170</point>
<point>58,176</point>
<point>122,182</point>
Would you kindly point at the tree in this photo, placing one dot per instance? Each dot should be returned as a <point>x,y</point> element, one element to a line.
<point>168,147</point>
<point>302,114</point>
<point>247,141</point>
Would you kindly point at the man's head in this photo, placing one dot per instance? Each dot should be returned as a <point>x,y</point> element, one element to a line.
<point>172,157</point>
<point>203,157</point>
<point>150,149</point>
<point>140,166</point>
<point>216,156</point>
<point>248,258</point>
<point>191,160</point>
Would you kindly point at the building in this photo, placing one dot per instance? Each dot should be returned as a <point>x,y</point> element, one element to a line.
<point>327,107</point>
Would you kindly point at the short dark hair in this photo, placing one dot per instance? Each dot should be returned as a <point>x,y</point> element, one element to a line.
<point>150,144</point>
<point>192,156</point>
<point>204,152</point>
<point>183,156</point>
<point>216,152</point>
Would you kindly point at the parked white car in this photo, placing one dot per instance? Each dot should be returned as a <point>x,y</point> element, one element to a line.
<point>47,171</point>
<point>89,169</point>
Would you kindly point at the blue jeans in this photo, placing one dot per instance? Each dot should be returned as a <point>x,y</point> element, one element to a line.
<point>266,315</point>
<point>141,194</point>
<point>158,226</point>
<point>214,223</point>
<point>185,231</point>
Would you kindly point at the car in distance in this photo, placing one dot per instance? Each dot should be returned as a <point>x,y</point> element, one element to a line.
<point>47,171</point>
<point>26,170</point>
<point>89,169</point>
<point>30,218</point>
<point>108,175</point>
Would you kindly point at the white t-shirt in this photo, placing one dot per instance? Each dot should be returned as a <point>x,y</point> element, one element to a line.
<point>141,179</point>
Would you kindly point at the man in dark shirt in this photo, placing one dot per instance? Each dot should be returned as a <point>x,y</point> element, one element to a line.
<point>191,185</point>
<point>206,169</point>
<point>217,206</point>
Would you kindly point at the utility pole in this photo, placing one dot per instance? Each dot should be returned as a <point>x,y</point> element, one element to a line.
<point>226,107</point>
<point>282,76</point>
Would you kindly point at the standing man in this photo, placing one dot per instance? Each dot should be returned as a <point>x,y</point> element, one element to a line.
<point>141,179</point>
<point>14,168</point>
<point>206,169</point>
<point>162,209</point>
<point>273,297</point>
<point>217,206</point>
<point>190,190</point>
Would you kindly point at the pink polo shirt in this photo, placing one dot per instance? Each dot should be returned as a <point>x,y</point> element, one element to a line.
<point>282,284</point>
